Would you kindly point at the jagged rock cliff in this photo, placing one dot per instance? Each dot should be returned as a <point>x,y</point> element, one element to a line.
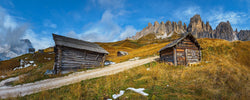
<point>224,31</point>
<point>162,29</point>
<point>197,27</point>
<point>244,35</point>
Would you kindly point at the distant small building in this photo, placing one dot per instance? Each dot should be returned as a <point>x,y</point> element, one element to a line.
<point>31,50</point>
<point>40,51</point>
<point>122,53</point>
<point>183,51</point>
<point>73,54</point>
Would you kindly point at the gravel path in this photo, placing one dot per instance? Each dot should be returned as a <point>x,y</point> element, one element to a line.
<point>29,88</point>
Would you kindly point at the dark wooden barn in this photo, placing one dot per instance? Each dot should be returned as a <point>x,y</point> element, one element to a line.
<point>72,54</point>
<point>183,51</point>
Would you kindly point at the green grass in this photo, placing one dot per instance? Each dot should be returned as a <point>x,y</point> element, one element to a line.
<point>226,76</point>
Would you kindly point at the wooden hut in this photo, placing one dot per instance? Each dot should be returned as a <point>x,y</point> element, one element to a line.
<point>72,54</point>
<point>31,50</point>
<point>183,51</point>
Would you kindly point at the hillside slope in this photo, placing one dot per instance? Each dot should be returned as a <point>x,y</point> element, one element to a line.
<point>223,74</point>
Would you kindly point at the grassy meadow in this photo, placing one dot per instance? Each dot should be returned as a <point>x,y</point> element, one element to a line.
<point>36,73</point>
<point>222,74</point>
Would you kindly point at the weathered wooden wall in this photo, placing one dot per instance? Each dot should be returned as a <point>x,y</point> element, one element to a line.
<point>167,55</point>
<point>187,52</point>
<point>70,59</point>
<point>183,53</point>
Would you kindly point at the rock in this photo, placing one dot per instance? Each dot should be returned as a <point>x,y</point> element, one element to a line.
<point>49,72</point>
<point>149,26</point>
<point>180,27</point>
<point>168,26</point>
<point>156,26</point>
<point>224,31</point>
<point>174,26</point>
<point>208,28</point>
<point>185,26</point>
<point>195,26</point>
<point>198,28</point>
<point>161,29</point>
<point>122,53</point>
<point>244,35</point>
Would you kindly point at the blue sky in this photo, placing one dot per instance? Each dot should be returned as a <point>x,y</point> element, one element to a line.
<point>109,20</point>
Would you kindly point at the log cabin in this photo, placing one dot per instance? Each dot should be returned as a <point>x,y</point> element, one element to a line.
<point>183,51</point>
<point>73,54</point>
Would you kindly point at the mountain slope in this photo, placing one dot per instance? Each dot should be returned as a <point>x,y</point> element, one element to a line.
<point>18,48</point>
<point>223,74</point>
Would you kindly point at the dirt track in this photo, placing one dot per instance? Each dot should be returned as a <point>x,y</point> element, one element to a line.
<point>29,88</point>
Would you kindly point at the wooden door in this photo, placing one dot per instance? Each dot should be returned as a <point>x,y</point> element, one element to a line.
<point>180,56</point>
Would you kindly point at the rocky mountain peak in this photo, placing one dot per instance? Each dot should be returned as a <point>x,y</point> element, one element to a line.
<point>208,27</point>
<point>198,28</point>
<point>195,24</point>
<point>244,35</point>
<point>185,26</point>
<point>149,24</point>
<point>195,19</point>
<point>162,23</point>
<point>156,24</point>
<point>162,29</point>
<point>224,31</point>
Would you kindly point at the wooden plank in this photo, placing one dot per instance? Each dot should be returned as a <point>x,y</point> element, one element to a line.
<point>175,62</point>
<point>59,57</point>
<point>179,50</point>
<point>186,56</point>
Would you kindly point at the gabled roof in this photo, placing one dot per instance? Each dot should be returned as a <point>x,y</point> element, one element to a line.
<point>78,44</point>
<point>175,42</point>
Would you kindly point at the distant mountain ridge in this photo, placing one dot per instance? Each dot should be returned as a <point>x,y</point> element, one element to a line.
<point>197,27</point>
<point>14,50</point>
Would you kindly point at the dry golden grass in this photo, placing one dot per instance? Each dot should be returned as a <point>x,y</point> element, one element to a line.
<point>222,74</point>
<point>31,73</point>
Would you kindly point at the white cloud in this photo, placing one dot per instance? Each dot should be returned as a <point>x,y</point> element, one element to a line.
<point>219,15</point>
<point>105,30</point>
<point>12,31</point>
<point>37,41</point>
<point>111,4</point>
<point>184,14</point>
<point>213,16</point>
<point>128,32</point>
<point>48,23</point>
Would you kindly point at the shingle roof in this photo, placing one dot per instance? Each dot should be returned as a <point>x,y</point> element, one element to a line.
<point>78,44</point>
<point>175,42</point>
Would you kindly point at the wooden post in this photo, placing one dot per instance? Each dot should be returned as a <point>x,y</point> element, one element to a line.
<point>97,57</point>
<point>56,60</point>
<point>59,58</point>
<point>200,53</point>
<point>186,57</point>
<point>175,60</point>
